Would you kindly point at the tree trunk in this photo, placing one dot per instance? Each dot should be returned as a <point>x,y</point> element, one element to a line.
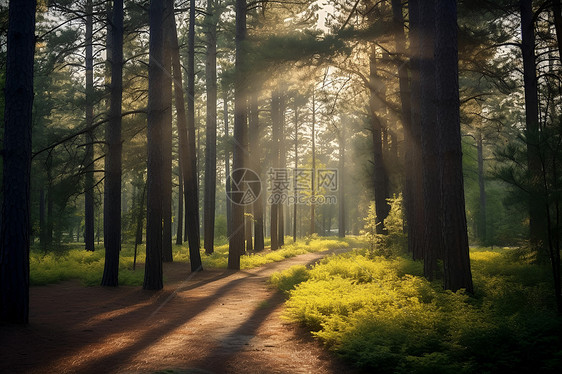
<point>15,225</point>
<point>313,176</point>
<point>211,129</point>
<point>248,225</point>
<point>186,131</point>
<point>482,191</point>
<point>342,178</point>
<point>227,164</point>
<point>537,222</point>
<point>167,255</point>
<point>275,136</point>
<point>296,167</point>
<point>254,136</point>
<point>89,156</point>
<point>456,261</point>
<point>236,242</point>
<point>112,189</point>
<point>380,175</point>
<point>153,266</point>
<point>430,141</point>
<point>282,164</point>
<point>179,234</point>
<point>417,204</point>
<point>191,184</point>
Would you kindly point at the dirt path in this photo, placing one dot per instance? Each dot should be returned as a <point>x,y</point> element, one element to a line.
<point>216,321</point>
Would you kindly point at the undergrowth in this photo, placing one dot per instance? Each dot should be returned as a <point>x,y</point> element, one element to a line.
<point>384,317</point>
<point>73,262</point>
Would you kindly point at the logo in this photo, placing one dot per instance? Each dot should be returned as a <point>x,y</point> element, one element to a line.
<point>243,186</point>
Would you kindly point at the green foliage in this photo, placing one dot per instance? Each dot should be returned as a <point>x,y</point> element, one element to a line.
<point>394,240</point>
<point>383,316</point>
<point>71,261</point>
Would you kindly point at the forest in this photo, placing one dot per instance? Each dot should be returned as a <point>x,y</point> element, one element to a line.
<point>322,186</point>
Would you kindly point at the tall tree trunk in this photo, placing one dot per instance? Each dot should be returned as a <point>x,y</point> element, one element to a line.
<point>211,129</point>
<point>380,175</point>
<point>227,163</point>
<point>140,216</point>
<point>456,261</point>
<point>186,131</point>
<point>236,242</point>
<point>153,266</point>
<point>282,164</point>
<point>482,190</point>
<point>537,222</point>
<point>191,184</point>
<point>342,178</point>
<point>255,150</point>
<point>275,129</point>
<point>167,255</point>
<point>112,189</point>
<point>296,167</point>
<point>432,242</point>
<point>15,225</point>
<point>89,157</point>
<point>179,233</point>
<point>313,176</point>
<point>417,204</point>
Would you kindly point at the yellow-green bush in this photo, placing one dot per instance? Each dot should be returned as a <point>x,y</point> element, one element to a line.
<point>384,320</point>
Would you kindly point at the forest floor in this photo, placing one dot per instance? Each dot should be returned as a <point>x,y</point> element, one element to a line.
<point>215,321</point>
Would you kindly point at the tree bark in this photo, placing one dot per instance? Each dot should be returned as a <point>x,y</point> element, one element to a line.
<point>167,255</point>
<point>296,167</point>
<point>191,184</point>
<point>313,176</point>
<point>342,178</point>
<point>380,175</point>
<point>275,129</point>
<point>227,163</point>
<point>282,164</point>
<point>236,242</point>
<point>432,245</point>
<point>255,151</point>
<point>15,225</point>
<point>482,191</point>
<point>186,131</point>
<point>153,265</point>
<point>179,233</point>
<point>537,222</point>
<point>89,156</point>
<point>112,189</point>
<point>456,261</point>
<point>211,129</point>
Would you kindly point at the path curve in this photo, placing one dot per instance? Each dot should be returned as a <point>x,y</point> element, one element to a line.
<point>216,321</point>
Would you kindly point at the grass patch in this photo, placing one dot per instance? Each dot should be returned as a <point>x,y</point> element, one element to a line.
<point>71,261</point>
<point>383,316</point>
